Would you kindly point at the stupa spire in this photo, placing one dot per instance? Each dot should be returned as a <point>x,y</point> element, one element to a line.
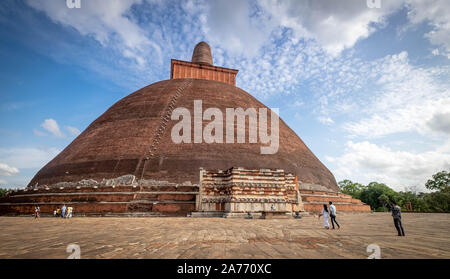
<point>202,54</point>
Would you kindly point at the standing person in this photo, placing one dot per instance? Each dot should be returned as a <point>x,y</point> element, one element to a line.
<point>58,210</point>
<point>397,215</point>
<point>55,212</point>
<point>63,211</point>
<point>333,215</point>
<point>69,212</point>
<point>36,211</point>
<point>325,215</point>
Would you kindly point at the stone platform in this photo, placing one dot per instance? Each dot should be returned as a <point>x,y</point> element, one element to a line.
<point>188,238</point>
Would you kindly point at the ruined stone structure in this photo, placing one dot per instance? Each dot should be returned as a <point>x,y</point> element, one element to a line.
<point>133,139</point>
<point>237,191</point>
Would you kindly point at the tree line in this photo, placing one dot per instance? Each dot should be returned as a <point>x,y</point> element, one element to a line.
<point>379,196</point>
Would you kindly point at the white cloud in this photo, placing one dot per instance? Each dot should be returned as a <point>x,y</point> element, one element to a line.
<point>6,170</point>
<point>441,121</point>
<point>336,25</point>
<point>437,14</point>
<point>39,133</point>
<point>298,103</point>
<point>365,162</point>
<point>110,23</point>
<point>325,120</point>
<point>28,157</point>
<point>231,25</point>
<point>405,98</point>
<point>52,126</point>
<point>244,27</point>
<point>73,130</point>
<point>28,160</point>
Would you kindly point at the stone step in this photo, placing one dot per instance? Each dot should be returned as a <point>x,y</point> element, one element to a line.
<point>326,202</point>
<point>207,214</point>
<point>135,214</point>
<point>317,207</point>
<point>324,194</point>
<point>325,199</point>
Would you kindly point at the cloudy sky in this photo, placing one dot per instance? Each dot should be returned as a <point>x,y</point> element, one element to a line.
<point>366,88</point>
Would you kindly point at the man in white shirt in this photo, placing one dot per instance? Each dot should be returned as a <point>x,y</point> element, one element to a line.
<point>333,215</point>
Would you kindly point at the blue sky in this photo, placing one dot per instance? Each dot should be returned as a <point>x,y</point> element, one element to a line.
<point>367,89</point>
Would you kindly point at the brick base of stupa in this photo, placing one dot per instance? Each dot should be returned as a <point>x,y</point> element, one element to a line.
<point>232,193</point>
<point>125,197</point>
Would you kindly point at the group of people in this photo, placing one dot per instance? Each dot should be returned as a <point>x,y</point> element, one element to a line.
<point>63,212</point>
<point>329,213</point>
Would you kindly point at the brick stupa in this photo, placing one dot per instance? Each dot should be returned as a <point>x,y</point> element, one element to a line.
<point>125,162</point>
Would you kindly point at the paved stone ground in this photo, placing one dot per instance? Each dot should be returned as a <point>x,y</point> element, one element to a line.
<point>427,236</point>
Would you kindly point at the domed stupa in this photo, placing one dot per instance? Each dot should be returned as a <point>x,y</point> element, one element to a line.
<point>127,162</point>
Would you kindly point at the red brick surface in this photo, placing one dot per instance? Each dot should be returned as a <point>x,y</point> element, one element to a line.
<point>183,69</point>
<point>115,143</point>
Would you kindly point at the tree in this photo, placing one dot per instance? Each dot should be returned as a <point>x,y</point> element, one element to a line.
<point>371,195</point>
<point>379,195</point>
<point>350,188</point>
<point>3,192</point>
<point>437,201</point>
<point>384,201</point>
<point>440,182</point>
<point>412,196</point>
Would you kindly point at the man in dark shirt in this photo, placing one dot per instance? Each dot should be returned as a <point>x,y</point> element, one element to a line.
<point>397,215</point>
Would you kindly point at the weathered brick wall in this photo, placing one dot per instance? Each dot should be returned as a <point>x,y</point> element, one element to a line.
<point>183,69</point>
<point>152,198</point>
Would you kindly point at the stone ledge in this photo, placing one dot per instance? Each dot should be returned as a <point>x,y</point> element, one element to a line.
<point>98,202</point>
<point>104,193</point>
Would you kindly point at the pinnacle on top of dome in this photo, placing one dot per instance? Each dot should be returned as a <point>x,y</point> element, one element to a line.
<point>202,54</point>
<point>201,67</point>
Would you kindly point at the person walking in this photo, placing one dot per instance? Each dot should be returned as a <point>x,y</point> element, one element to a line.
<point>37,210</point>
<point>325,215</point>
<point>63,211</point>
<point>397,215</point>
<point>333,215</point>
